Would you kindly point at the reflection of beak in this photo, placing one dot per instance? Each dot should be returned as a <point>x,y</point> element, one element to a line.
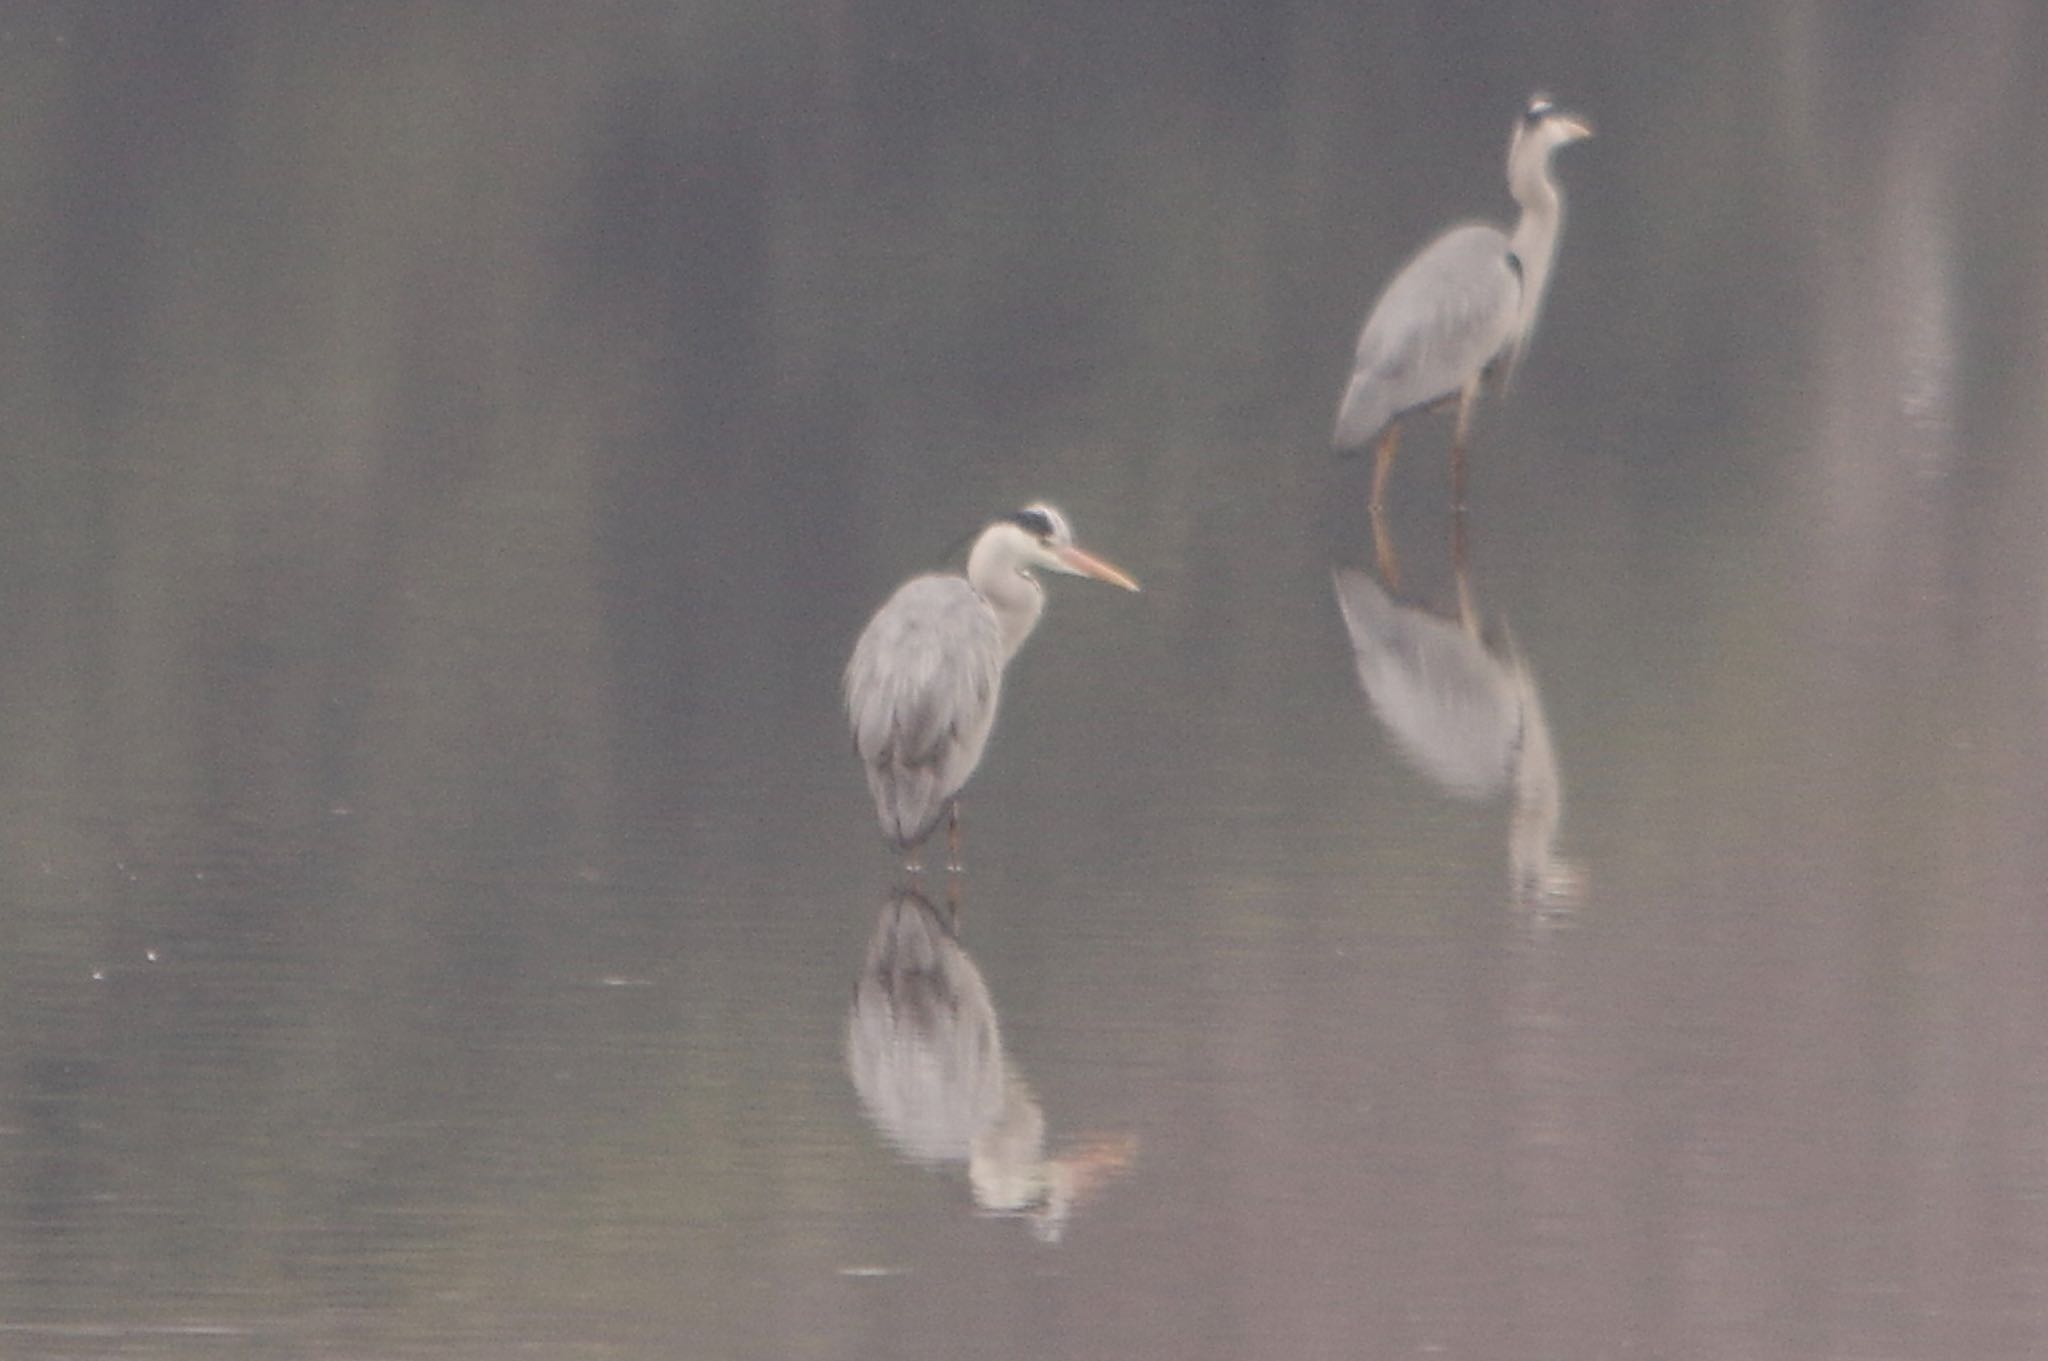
<point>1577,126</point>
<point>1083,564</point>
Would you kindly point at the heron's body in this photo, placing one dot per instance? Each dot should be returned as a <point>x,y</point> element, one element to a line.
<point>1465,303</point>
<point>1467,280</point>
<point>925,676</point>
<point>928,672</point>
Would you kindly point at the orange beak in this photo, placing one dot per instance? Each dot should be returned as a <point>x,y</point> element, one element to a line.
<point>1084,564</point>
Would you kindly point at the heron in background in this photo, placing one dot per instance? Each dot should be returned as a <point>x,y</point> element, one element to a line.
<point>1464,304</point>
<point>922,684</point>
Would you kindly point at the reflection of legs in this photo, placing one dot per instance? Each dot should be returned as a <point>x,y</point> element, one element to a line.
<point>1383,463</point>
<point>1468,613</point>
<point>953,867</point>
<point>1466,399</point>
<point>1383,550</point>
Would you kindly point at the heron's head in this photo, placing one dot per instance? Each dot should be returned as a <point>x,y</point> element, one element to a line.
<point>1543,128</point>
<point>1039,536</point>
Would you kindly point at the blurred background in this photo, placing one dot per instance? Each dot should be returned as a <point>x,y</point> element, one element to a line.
<point>450,451</point>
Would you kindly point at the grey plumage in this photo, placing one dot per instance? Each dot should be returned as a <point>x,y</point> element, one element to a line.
<point>926,674</point>
<point>921,691</point>
<point>1467,302</point>
<point>1443,319</point>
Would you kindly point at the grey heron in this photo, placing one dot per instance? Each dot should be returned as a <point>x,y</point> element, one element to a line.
<point>922,685</point>
<point>1467,301</point>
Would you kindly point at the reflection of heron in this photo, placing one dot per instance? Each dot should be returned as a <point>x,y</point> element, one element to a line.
<point>926,1056</point>
<point>921,687</point>
<point>1467,300</point>
<point>1470,718</point>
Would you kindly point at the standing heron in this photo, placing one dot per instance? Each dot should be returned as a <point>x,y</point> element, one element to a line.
<point>1467,301</point>
<point>922,685</point>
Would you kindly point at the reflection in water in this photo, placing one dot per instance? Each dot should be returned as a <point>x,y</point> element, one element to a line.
<point>1465,714</point>
<point>925,1052</point>
<point>1547,1127</point>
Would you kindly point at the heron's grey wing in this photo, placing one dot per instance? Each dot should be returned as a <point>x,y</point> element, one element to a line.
<point>927,665</point>
<point>921,692</point>
<point>1441,320</point>
<point>1452,707</point>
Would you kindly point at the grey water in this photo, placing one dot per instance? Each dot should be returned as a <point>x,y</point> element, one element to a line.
<point>450,452</point>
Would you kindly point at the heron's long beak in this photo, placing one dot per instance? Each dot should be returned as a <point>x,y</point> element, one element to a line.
<point>1575,124</point>
<point>1084,564</point>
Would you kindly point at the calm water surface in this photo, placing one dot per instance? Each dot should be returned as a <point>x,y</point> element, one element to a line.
<point>450,456</point>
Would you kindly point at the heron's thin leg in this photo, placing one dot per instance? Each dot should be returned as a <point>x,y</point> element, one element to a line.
<point>953,904</point>
<point>1383,463</point>
<point>1466,400</point>
<point>953,838</point>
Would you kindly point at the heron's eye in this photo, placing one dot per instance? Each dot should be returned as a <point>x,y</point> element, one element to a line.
<point>1035,522</point>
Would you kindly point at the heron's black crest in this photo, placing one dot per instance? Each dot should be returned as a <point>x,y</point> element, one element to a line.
<point>1540,108</point>
<point>1033,521</point>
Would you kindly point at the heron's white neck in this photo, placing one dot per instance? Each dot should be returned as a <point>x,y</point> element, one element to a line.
<point>997,570</point>
<point>1534,241</point>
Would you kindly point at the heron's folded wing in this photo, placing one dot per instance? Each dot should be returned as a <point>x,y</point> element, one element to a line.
<point>926,667</point>
<point>1440,321</point>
